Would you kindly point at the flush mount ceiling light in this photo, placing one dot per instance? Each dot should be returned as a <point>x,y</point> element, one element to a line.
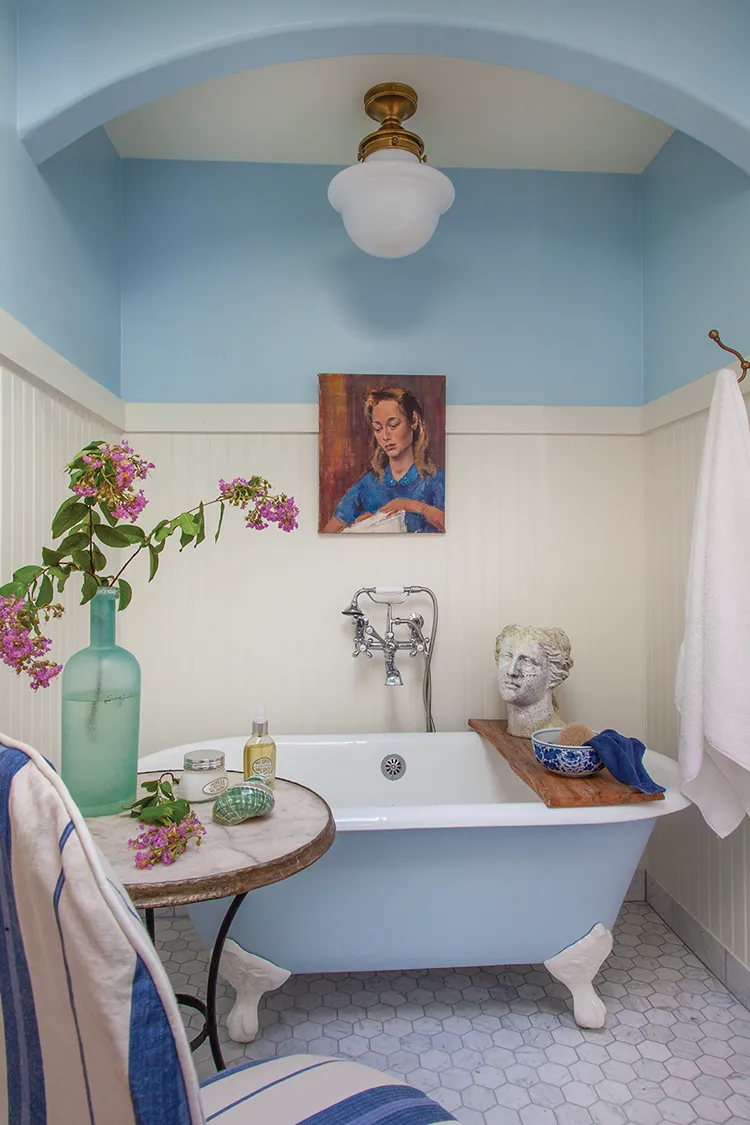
<point>390,200</point>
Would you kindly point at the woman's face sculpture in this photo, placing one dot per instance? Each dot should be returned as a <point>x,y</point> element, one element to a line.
<point>393,432</point>
<point>523,672</point>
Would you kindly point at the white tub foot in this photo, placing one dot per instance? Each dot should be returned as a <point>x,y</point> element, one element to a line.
<point>576,968</point>
<point>251,976</point>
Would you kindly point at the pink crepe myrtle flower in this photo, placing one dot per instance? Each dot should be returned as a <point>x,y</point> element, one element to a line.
<point>166,842</point>
<point>109,476</point>
<point>260,507</point>
<point>22,646</point>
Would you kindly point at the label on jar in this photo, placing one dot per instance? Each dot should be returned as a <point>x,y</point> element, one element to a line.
<point>218,785</point>
<point>263,767</point>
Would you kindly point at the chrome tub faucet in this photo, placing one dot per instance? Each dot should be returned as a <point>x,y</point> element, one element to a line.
<point>367,640</point>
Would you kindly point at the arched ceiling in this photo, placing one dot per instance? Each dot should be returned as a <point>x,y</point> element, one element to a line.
<point>84,62</point>
<point>471,115</point>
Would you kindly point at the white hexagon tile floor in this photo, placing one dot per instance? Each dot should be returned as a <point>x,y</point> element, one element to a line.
<point>499,1046</point>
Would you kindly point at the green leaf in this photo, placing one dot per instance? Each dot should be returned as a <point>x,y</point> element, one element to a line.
<point>185,539</point>
<point>44,597</point>
<point>82,559</point>
<point>67,517</point>
<point>180,810</point>
<point>88,588</point>
<point>162,531</point>
<point>111,520</point>
<point>71,500</point>
<point>61,576</point>
<point>167,790</point>
<point>150,786</point>
<point>153,555</point>
<point>100,560</point>
<point>221,520</point>
<point>76,541</point>
<point>111,536</point>
<point>126,593</point>
<point>201,519</point>
<point>13,590</point>
<point>153,814</point>
<point>187,523</point>
<point>132,533</point>
<point>26,574</point>
<point>50,557</point>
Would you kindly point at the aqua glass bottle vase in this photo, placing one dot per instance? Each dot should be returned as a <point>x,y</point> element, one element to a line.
<point>101,703</point>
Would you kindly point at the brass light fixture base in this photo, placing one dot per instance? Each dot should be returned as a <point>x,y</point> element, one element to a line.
<point>390,103</point>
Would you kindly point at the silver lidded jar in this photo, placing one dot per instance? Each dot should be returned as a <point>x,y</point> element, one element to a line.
<point>204,776</point>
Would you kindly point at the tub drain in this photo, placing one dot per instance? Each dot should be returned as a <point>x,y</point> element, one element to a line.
<point>393,767</point>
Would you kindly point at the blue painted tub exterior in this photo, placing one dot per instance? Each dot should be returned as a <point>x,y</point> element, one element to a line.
<point>438,897</point>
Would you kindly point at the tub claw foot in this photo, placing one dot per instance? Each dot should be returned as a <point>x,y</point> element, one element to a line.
<point>576,967</point>
<point>251,976</point>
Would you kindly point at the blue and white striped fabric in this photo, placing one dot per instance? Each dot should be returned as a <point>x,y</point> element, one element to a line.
<point>90,1027</point>
<point>313,1090</point>
<point>92,1030</point>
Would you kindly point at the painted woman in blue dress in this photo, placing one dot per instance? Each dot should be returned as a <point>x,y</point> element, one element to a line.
<point>403,477</point>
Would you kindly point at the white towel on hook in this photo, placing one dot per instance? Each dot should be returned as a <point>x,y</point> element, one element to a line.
<point>713,675</point>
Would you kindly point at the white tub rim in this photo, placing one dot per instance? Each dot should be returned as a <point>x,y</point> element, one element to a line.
<point>517,814</point>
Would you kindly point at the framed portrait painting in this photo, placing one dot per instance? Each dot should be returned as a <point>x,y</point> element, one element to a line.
<point>382,454</point>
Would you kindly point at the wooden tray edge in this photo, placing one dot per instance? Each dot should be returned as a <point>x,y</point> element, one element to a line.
<point>621,795</point>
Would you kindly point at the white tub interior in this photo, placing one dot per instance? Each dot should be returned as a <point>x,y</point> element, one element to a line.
<point>453,779</point>
<point>441,769</point>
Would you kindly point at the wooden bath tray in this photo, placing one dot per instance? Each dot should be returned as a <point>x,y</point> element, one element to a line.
<point>557,792</point>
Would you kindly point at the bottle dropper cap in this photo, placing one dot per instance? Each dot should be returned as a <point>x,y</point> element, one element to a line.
<point>260,722</point>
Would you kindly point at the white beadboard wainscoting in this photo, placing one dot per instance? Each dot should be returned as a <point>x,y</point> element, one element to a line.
<point>40,430</point>
<point>547,529</point>
<point>708,877</point>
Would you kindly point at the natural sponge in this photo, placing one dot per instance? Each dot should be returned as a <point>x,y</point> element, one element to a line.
<point>575,734</point>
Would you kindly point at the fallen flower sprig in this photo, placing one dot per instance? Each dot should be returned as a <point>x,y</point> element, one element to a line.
<point>159,806</point>
<point>166,842</point>
<point>101,513</point>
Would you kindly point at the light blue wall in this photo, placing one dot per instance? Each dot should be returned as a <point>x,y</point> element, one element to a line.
<point>59,236</point>
<point>240,285</point>
<point>696,235</point>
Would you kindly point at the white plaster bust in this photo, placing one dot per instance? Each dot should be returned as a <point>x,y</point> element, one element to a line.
<point>531,662</point>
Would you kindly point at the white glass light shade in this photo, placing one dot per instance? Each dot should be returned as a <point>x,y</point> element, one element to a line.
<point>390,203</point>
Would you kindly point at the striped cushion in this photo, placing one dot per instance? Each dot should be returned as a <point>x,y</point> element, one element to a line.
<point>91,1029</point>
<point>313,1090</point>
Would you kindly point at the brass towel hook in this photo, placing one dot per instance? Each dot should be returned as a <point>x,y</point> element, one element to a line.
<point>744,363</point>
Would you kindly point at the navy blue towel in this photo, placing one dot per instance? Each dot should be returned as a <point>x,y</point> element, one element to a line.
<point>623,757</point>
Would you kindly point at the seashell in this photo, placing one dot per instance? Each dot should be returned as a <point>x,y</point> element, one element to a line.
<point>251,797</point>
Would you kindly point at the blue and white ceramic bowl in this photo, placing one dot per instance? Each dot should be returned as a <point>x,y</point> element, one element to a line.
<point>570,761</point>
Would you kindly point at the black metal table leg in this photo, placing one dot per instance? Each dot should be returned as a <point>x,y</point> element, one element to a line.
<point>199,1006</point>
<point>213,976</point>
<point>210,1029</point>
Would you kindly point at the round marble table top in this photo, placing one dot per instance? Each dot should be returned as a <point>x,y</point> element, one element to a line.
<point>229,861</point>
